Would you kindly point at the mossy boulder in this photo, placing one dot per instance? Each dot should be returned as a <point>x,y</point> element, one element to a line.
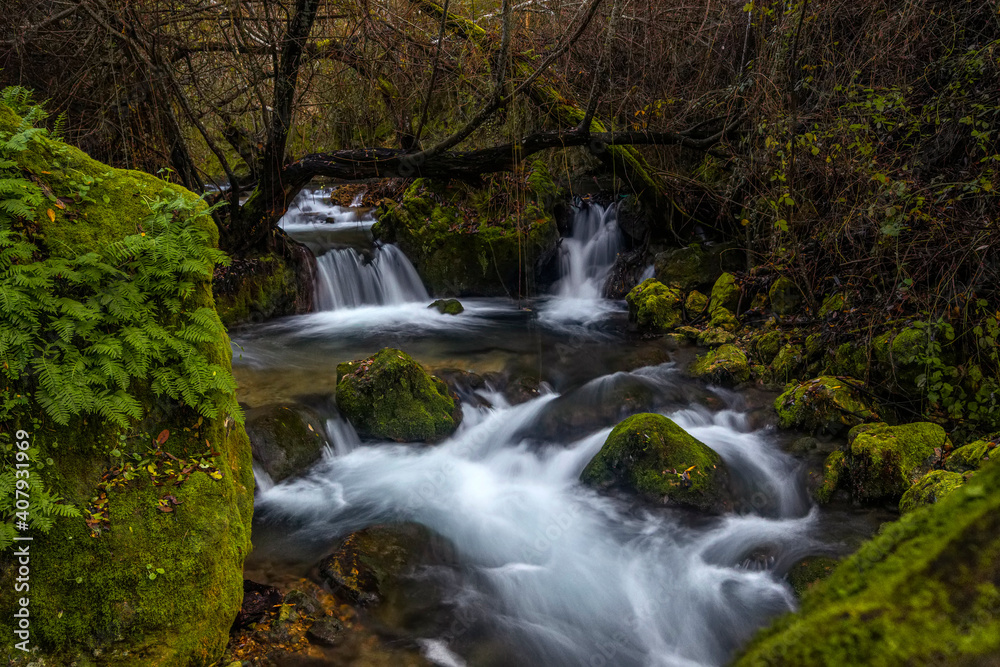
<point>695,266</point>
<point>255,289</point>
<point>824,405</point>
<point>833,466</point>
<point>367,564</point>
<point>654,306</point>
<point>970,457</point>
<point>898,355</point>
<point>137,578</point>
<point>923,591</point>
<point>787,363</point>
<point>389,395</point>
<point>448,306</point>
<point>723,318</point>
<point>468,241</point>
<point>785,297</point>
<point>832,304</point>
<point>767,345</point>
<point>724,365</point>
<point>725,293</point>
<point>695,304</point>
<point>929,489</point>
<point>809,571</point>
<point>285,439</point>
<point>882,461</point>
<point>651,455</point>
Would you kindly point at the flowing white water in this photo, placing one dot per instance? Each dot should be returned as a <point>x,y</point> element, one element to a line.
<point>345,279</point>
<point>561,573</point>
<point>587,257</point>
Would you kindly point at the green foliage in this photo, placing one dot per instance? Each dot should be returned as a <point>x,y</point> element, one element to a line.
<point>84,335</point>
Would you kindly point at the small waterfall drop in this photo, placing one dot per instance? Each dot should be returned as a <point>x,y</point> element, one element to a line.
<point>346,280</point>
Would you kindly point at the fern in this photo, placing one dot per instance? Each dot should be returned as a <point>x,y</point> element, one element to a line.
<point>77,333</point>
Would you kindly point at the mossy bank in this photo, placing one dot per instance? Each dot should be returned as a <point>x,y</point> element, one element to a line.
<point>142,484</point>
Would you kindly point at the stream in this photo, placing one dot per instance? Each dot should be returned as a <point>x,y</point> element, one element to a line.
<point>541,570</point>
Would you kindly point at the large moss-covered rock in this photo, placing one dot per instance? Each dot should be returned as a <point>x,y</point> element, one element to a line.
<point>654,306</point>
<point>929,489</point>
<point>254,289</point>
<point>448,306</point>
<point>389,395</point>
<point>824,404</point>
<point>650,454</point>
<point>922,592</point>
<point>695,266</point>
<point>725,293</point>
<point>970,457</point>
<point>882,461</point>
<point>465,241</point>
<point>151,573</point>
<point>285,439</point>
<point>724,365</point>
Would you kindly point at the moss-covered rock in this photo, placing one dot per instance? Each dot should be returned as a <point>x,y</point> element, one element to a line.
<point>255,289</point>
<point>787,363</point>
<point>723,318</point>
<point>882,461</point>
<point>695,266</point>
<point>654,306</point>
<point>151,573</point>
<point>651,455</point>
<point>898,353</point>
<point>714,337</point>
<point>724,365</point>
<point>924,591</point>
<point>695,304</point>
<point>929,489</point>
<point>832,303</point>
<point>285,439</point>
<point>785,297</point>
<point>809,571</point>
<point>825,405</point>
<point>389,395</point>
<point>970,457</point>
<point>465,241</point>
<point>725,293</point>
<point>368,563</point>
<point>832,469</point>
<point>767,346</point>
<point>448,306</point>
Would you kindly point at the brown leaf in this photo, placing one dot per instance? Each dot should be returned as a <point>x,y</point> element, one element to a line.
<point>164,508</point>
<point>162,438</point>
<point>52,214</point>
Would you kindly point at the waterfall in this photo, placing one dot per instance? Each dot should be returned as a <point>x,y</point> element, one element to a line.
<point>346,280</point>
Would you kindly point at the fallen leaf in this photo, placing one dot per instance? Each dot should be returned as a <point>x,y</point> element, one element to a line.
<point>162,438</point>
<point>52,214</point>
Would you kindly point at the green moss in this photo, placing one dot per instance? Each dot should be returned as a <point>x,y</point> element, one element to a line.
<point>725,365</point>
<point>929,489</point>
<point>475,242</point>
<point>850,360</point>
<point>824,404</point>
<point>833,303</point>
<point>714,337</point>
<point>448,306</point>
<point>695,303</point>
<point>654,306</point>
<point>683,268</point>
<point>390,396</point>
<point>284,440</point>
<point>92,600</point>
<point>832,469</point>
<point>785,297</point>
<point>809,571</point>
<point>723,318</point>
<point>787,363</point>
<point>882,460</point>
<point>924,591</point>
<point>970,457</point>
<point>653,456</point>
<point>767,346</point>
<point>255,289</point>
<point>725,293</point>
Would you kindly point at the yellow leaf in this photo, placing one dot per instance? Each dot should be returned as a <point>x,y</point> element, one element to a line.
<point>52,215</point>
<point>215,474</point>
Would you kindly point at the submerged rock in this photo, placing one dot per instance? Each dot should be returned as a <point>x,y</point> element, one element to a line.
<point>724,365</point>
<point>285,439</point>
<point>653,456</point>
<point>929,489</point>
<point>824,405</point>
<point>448,306</point>
<point>654,306</point>
<point>389,395</point>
